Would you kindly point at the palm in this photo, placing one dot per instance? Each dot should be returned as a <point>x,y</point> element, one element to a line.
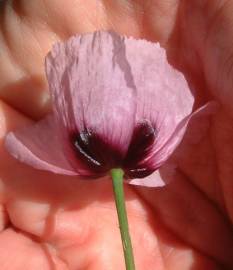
<point>65,223</point>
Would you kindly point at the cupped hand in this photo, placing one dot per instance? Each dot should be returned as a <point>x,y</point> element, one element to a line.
<point>55,222</point>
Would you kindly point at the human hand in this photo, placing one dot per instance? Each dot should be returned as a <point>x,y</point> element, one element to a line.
<point>69,223</point>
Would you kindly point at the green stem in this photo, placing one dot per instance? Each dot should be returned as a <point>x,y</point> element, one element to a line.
<point>117,180</point>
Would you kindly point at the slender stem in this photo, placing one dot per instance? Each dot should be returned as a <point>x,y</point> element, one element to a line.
<point>117,180</point>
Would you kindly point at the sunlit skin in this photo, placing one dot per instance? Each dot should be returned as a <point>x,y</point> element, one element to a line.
<point>56,222</point>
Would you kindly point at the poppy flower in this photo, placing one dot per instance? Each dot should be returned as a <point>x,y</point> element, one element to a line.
<point>117,103</point>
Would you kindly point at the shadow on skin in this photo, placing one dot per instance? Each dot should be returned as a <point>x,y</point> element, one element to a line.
<point>28,95</point>
<point>184,211</point>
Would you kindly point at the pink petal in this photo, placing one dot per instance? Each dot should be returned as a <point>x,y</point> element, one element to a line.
<point>153,180</point>
<point>163,95</point>
<point>40,146</point>
<point>157,159</point>
<point>158,178</point>
<point>93,88</point>
<point>161,155</point>
<point>102,86</point>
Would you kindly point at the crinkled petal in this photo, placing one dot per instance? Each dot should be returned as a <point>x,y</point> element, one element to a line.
<point>40,147</point>
<point>93,88</point>
<point>157,159</point>
<point>164,97</point>
<point>108,92</point>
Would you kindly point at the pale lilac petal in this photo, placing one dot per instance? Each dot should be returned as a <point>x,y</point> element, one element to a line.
<point>93,88</point>
<point>153,180</point>
<point>159,178</point>
<point>116,102</point>
<point>159,157</point>
<point>40,146</point>
<point>163,95</point>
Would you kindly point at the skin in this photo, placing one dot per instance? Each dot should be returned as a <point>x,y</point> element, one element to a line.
<point>54,222</point>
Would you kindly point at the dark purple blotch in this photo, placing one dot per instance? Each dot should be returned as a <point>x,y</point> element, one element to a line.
<point>100,156</point>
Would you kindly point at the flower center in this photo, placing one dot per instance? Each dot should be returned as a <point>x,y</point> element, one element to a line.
<point>100,156</point>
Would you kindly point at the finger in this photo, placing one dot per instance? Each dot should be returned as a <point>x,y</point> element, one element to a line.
<point>19,251</point>
<point>23,84</point>
<point>187,212</point>
<point>206,34</point>
<point>4,220</point>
